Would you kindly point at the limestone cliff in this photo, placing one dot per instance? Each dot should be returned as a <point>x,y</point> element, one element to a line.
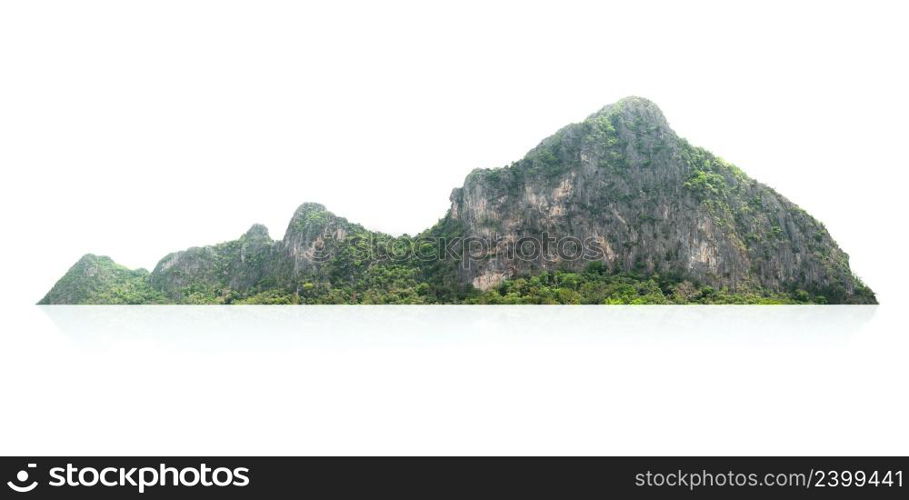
<point>649,202</point>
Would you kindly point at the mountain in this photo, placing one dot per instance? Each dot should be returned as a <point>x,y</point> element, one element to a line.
<point>614,209</point>
<point>99,280</point>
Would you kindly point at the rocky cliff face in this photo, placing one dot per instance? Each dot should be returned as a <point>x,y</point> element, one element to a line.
<point>234,265</point>
<point>644,200</point>
<point>254,262</point>
<point>619,190</point>
<point>312,236</point>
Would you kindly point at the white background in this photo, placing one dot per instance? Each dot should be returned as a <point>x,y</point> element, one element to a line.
<point>132,129</point>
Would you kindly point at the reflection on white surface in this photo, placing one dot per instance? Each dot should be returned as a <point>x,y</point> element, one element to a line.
<point>276,327</point>
<point>453,380</point>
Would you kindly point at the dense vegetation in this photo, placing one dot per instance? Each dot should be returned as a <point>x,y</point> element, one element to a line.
<point>402,284</point>
<point>596,285</point>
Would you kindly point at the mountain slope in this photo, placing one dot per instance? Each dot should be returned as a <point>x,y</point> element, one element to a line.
<point>614,209</point>
<point>99,280</point>
<point>649,202</point>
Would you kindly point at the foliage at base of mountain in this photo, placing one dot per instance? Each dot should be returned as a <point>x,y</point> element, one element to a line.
<point>399,284</point>
<point>596,285</point>
<point>656,220</point>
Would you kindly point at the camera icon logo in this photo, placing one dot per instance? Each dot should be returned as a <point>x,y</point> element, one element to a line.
<point>22,477</point>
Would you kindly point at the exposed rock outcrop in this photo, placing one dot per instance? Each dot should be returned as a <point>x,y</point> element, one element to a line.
<point>648,201</point>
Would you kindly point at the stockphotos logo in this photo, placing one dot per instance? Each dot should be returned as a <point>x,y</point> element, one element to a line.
<point>136,478</point>
<point>22,477</point>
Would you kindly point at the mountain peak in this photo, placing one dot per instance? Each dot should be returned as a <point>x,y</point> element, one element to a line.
<point>91,258</point>
<point>634,100</point>
<point>631,102</point>
<point>309,207</point>
<point>633,110</point>
<point>309,214</point>
<point>91,263</point>
<point>257,232</point>
<point>311,220</point>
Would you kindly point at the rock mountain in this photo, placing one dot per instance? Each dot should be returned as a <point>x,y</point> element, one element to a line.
<point>614,209</point>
